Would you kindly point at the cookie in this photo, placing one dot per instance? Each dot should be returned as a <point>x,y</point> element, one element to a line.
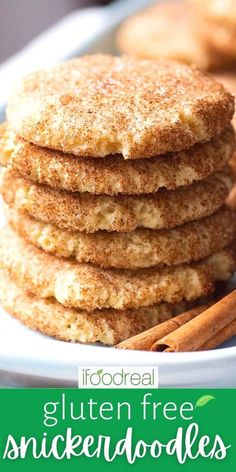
<point>95,106</point>
<point>166,31</point>
<point>219,24</point>
<point>89,287</point>
<point>108,327</point>
<point>91,213</point>
<point>220,10</point>
<point>139,249</point>
<point>114,175</point>
<point>228,79</point>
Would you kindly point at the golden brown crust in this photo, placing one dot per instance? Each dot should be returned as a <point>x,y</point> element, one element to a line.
<point>99,105</point>
<point>139,249</point>
<point>166,31</point>
<point>91,213</point>
<point>89,287</point>
<point>105,326</point>
<point>228,79</point>
<point>114,175</point>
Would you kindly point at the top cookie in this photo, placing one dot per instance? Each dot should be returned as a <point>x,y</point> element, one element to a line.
<point>99,105</point>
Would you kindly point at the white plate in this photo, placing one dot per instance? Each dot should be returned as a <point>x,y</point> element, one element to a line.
<point>31,359</point>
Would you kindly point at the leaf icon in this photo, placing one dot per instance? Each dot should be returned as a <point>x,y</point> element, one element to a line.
<point>99,372</point>
<point>202,401</point>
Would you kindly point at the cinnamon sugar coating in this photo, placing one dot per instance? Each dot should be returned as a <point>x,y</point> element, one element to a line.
<point>99,105</point>
<point>105,326</point>
<point>228,79</point>
<point>114,175</point>
<point>138,249</point>
<point>89,287</point>
<point>91,213</point>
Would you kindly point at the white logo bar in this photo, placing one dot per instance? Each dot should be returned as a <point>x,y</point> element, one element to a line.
<point>118,377</point>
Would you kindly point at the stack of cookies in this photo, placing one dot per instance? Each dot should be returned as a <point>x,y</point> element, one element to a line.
<point>114,186</point>
<point>196,32</point>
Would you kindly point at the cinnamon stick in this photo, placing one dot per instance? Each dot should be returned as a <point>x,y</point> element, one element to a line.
<point>224,335</point>
<point>145,340</point>
<point>200,331</point>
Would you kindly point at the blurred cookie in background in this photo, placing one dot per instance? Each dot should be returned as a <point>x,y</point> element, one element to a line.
<point>218,25</point>
<point>169,30</point>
